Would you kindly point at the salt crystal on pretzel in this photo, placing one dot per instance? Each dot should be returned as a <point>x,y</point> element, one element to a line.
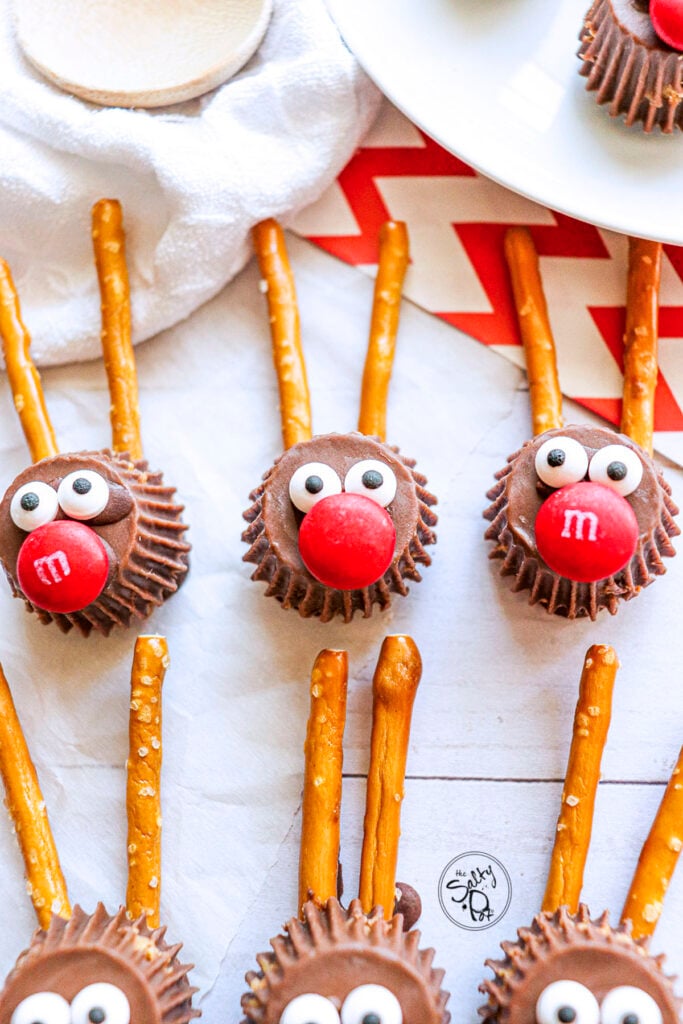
<point>640,341</point>
<point>534,325</point>
<point>285,330</point>
<point>657,861</point>
<point>119,359</point>
<point>575,823</point>
<point>24,379</point>
<point>386,307</point>
<point>394,687</point>
<point>24,799</point>
<point>143,790</point>
<point>319,848</point>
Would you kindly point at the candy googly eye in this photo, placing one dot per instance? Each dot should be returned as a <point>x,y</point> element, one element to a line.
<point>374,479</point>
<point>567,1002</point>
<point>310,1008</point>
<point>42,1008</point>
<point>311,483</point>
<point>561,461</point>
<point>629,1005</point>
<point>100,1003</point>
<point>617,467</point>
<point>371,1003</point>
<point>83,494</point>
<point>33,505</point>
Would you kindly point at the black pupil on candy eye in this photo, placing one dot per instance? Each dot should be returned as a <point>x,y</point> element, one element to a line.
<point>82,486</point>
<point>314,484</point>
<point>97,1014</point>
<point>616,471</point>
<point>29,501</point>
<point>371,1018</point>
<point>630,1018</point>
<point>566,1014</point>
<point>372,479</point>
<point>557,457</point>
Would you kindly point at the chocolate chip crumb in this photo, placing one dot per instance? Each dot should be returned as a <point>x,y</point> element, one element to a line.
<point>408,903</point>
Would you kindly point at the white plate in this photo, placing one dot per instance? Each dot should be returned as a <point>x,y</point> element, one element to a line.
<point>496,82</point>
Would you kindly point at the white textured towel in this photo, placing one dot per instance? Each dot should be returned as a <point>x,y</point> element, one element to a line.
<point>193,178</point>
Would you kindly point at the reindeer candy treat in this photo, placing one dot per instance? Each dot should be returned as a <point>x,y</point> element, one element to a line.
<point>96,968</point>
<point>341,521</point>
<point>88,539</point>
<point>571,967</point>
<point>581,516</point>
<point>355,965</point>
<point>631,52</point>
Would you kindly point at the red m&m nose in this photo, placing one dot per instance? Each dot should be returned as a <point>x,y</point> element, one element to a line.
<point>586,531</point>
<point>62,566</point>
<point>347,541</point>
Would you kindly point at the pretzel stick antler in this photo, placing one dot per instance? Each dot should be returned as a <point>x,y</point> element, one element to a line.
<point>657,860</point>
<point>640,341</point>
<point>119,359</point>
<point>394,257</point>
<point>537,336</point>
<point>44,878</point>
<point>575,823</point>
<point>319,855</point>
<point>24,379</point>
<point>143,791</point>
<point>393,689</point>
<point>295,404</point>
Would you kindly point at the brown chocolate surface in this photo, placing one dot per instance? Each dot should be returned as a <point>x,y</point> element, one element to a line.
<point>408,904</point>
<point>274,528</point>
<point>577,948</point>
<point>101,947</point>
<point>140,527</point>
<point>629,67</point>
<point>517,498</point>
<point>333,951</point>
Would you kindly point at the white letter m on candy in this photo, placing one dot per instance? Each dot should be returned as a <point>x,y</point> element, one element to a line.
<point>576,517</point>
<point>53,568</point>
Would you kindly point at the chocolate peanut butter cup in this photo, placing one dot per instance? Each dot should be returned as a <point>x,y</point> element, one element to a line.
<point>520,495</point>
<point>336,955</point>
<point>634,72</point>
<point>573,961</point>
<point>274,533</point>
<point>124,550</point>
<point>582,517</point>
<point>88,539</point>
<point>103,967</point>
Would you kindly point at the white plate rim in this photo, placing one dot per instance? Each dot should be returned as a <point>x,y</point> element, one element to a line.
<point>625,216</point>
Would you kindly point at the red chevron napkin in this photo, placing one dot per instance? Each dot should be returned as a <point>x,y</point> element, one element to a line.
<point>457,219</point>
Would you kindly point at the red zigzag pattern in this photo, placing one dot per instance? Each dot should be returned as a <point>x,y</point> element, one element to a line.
<point>483,245</point>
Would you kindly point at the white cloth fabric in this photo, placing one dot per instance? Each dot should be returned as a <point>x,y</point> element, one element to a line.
<point>193,178</point>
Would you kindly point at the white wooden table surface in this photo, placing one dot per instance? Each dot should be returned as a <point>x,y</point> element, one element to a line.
<point>493,717</point>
